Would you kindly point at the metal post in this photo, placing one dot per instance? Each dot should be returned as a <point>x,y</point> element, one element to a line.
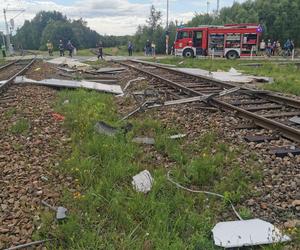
<point>8,46</point>
<point>167,30</point>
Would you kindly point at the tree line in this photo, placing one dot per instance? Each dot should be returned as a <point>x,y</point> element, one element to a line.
<point>280,19</point>
<point>54,26</point>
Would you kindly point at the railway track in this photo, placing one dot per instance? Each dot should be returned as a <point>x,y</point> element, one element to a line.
<point>261,108</point>
<point>10,71</point>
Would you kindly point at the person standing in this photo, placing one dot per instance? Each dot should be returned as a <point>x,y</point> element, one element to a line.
<point>3,49</point>
<point>100,50</point>
<point>70,48</point>
<point>148,48</point>
<point>153,48</point>
<point>269,48</point>
<point>262,46</point>
<point>130,48</point>
<point>50,48</point>
<point>61,48</point>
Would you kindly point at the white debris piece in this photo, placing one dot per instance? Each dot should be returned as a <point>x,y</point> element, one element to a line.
<point>3,82</point>
<point>142,182</point>
<point>179,136</point>
<point>70,62</point>
<point>144,140</point>
<point>232,76</point>
<point>108,88</point>
<point>246,233</point>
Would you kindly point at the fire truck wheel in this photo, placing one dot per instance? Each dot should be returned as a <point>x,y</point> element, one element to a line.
<point>188,53</point>
<point>232,55</point>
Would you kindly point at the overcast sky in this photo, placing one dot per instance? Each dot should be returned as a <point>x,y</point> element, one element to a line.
<point>113,17</point>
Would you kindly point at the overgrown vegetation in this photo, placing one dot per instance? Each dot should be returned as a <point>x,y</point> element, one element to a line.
<point>107,213</point>
<point>21,126</point>
<point>286,75</point>
<point>54,26</point>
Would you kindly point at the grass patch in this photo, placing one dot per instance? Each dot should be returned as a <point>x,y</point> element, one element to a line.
<point>105,211</point>
<point>20,127</point>
<point>286,76</point>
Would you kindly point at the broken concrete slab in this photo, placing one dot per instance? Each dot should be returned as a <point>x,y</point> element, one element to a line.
<point>108,88</point>
<point>142,182</point>
<point>231,76</point>
<point>295,119</point>
<point>72,63</point>
<point>246,233</point>
<point>103,128</point>
<point>66,69</point>
<point>144,140</point>
<point>110,70</point>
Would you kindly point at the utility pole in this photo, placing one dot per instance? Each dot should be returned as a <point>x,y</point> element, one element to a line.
<point>207,7</point>
<point>8,43</point>
<point>167,30</point>
<point>218,6</point>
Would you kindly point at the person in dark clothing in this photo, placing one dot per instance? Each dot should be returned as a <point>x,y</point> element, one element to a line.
<point>100,50</point>
<point>148,48</point>
<point>61,48</point>
<point>130,48</point>
<point>70,48</point>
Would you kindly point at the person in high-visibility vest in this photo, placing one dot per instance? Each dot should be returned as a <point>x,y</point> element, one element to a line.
<point>3,48</point>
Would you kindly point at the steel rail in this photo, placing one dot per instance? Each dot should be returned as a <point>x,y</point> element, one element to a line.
<point>262,94</point>
<point>286,131</point>
<point>4,86</point>
<point>8,64</point>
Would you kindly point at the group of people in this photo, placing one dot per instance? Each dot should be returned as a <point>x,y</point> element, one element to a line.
<point>150,48</point>
<point>274,48</point>
<point>61,47</point>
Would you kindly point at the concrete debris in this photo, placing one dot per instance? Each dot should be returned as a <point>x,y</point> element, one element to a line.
<point>60,211</point>
<point>104,128</point>
<point>144,140</point>
<point>67,69</point>
<point>295,119</point>
<point>246,233</point>
<point>133,80</point>
<point>110,70</point>
<point>179,136</point>
<point>70,62</point>
<point>108,88</point>
<point>232,76</point>
<point>66,102</point>
<point>142,182</point>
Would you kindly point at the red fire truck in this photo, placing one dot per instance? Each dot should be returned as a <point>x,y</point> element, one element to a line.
<point>231,40</point>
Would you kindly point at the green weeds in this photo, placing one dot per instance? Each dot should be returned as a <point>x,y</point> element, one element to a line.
<point>20,127</point>
<point>107,213</point>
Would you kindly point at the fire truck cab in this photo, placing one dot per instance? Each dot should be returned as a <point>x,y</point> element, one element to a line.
<point>230,41</point>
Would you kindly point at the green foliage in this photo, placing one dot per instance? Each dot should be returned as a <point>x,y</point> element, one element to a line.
<point>53,26</point>
<point>106,212</point>
<point>20,127</point>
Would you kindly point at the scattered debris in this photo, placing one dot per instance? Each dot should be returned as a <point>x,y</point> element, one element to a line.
<point>143,181</point>
<point>133,80</point>
<point>144,140</point>
<point>202,192</point>
<point>110,70</point>
<point>70,62</point>
<point>179,136</point>
<point>58,117</point>
<point>37,69</point>
<point>67,69</point>
<point>109,88</point>
<point>260,138</point>
<point>66,102</point>
<point>60,211</point>
<point>295,119</point>
<point>232,76</point>
<point>34,243</point>
<point>282,151</point>
<point>103,128</point>
<point>246,233</point>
